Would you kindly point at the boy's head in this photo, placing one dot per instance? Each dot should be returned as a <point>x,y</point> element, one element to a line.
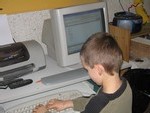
<point>101,48</point>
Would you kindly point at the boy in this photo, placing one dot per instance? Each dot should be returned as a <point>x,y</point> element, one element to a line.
<point>102,58</point>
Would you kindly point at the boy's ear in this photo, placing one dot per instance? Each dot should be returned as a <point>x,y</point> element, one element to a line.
<point>99,68</point>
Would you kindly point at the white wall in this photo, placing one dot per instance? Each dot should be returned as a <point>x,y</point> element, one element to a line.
<point>147,6</point>
<point>27,26</point>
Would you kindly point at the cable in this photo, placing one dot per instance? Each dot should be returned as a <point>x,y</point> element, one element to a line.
<point>14,40</point>
<point>133,6</point>
<point>121,5</point>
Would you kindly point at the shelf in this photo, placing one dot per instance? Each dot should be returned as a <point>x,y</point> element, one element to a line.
<point>130,48</point>
<point>122,37</point>
<point>145,30</point>
<point>19,6</point>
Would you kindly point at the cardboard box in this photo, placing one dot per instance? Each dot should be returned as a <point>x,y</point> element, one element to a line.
<point>140,47</point>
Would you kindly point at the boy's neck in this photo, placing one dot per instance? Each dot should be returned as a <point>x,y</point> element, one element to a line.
<point>111,83</point>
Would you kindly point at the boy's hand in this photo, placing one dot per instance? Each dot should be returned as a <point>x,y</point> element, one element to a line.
<point>59,104</point>
<point>40,109</point>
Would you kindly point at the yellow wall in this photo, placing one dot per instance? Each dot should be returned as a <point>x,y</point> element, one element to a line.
<point>18,6</point>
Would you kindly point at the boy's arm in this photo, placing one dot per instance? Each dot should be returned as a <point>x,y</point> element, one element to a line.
<point>80,103</point>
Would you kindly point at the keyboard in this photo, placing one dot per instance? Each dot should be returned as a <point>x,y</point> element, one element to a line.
<point>69,77</point>
<point>27,107</point>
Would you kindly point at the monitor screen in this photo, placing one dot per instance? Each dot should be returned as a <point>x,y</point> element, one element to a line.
<point>69,27</point>
<point>79,26</point>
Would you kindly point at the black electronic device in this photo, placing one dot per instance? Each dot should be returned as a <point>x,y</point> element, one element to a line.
<point>128,20</point>
<point>20,83</point>
<point>20,58</point>
<point>5,83</point>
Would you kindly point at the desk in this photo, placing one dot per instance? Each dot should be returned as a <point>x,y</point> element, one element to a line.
<point>36,89</point>
<point>12,97</point>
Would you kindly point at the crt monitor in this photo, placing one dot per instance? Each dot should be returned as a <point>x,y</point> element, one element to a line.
<point>69,28</point>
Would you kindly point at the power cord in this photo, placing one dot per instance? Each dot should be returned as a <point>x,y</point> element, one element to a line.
<point>121,5</point>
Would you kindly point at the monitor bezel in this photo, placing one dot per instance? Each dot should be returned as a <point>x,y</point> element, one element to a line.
<point>58,28</point>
